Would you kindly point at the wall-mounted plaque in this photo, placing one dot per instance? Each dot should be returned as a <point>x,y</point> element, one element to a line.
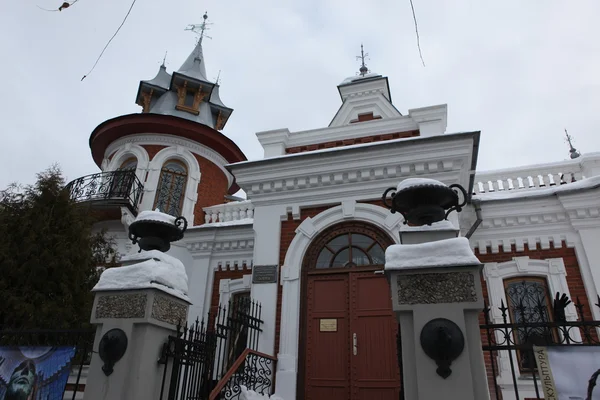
<point>264,273</point>
<point>328,325</point>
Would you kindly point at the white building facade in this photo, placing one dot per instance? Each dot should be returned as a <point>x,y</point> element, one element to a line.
<point>314,211</point>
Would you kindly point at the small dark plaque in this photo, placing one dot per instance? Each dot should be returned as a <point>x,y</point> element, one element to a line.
<point>264,273</point>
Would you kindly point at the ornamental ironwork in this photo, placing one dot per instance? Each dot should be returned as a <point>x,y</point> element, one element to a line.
<point>213,357</point>
<point>528,323</point>
<point>115,188</point>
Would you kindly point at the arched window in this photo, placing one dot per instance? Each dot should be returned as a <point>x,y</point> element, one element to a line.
<point>171,188</point>
<point>348,245</point>
<point>129,165</point>
<point>529,302</point>
<point>123,178</point>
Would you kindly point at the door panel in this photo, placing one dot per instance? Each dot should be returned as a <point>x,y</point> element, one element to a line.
<point>375,373</point>
<point>335,369</point>
<point>327,350</point>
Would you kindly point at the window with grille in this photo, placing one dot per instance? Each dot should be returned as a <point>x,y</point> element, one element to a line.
<point>528,302</point>
<point>123,178</point>
<point>171,188</point>
<point>351,250</point>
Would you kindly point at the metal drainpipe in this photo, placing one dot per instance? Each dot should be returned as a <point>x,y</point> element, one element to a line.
<point>477,204</point>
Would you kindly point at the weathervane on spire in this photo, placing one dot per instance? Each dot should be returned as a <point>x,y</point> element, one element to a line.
<point>573,152</point>
<point>363,56</point>
<point>199,29</point>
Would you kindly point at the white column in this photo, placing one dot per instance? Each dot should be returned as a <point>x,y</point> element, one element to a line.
<point>200,286</point>
<point>267,228</point>
<point>588,258</point>
<point>287,362</point>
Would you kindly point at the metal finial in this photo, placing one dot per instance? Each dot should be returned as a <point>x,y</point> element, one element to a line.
<point>218,80</point>
<point>573,153</point>
<point>164,63</point>
<point>200,29</point>
<point>363,56</point>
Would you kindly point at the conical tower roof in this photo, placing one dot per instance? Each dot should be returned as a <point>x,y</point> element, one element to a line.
<point>194,66</point>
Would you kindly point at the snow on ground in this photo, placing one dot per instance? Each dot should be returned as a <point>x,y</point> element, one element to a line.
<point>252,395</point>
<point>442,253</point>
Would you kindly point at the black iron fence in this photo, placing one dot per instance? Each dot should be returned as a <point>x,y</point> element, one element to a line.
<point>198,358</point>
<point>120,187</point>
<point>508,345</point>
<point>34,346</point>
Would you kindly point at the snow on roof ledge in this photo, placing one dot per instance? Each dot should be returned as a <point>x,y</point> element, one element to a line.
<point>452,252</point>
<point>584,184</point>
<point>147,270</point>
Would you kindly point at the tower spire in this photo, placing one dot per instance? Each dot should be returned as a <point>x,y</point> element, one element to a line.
<point>363,67</point>
<point>164,63</point>
<point>194,65</point>
<point>573,152</point>
<point>200,29</point>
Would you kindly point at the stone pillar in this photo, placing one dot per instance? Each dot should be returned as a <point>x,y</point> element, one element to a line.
<point>147,317</point>
<point>435,280</point>
<point>143,300</point>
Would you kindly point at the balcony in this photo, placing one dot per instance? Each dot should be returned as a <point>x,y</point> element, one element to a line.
<point>108,190</point>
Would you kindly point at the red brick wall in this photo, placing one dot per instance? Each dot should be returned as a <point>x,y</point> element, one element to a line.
<point>212,188</point>
<point>574,281</point>
<point>152,149</point>
<point>348,142</point>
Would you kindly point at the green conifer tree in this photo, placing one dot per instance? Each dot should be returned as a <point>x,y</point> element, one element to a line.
<point>49,256</point>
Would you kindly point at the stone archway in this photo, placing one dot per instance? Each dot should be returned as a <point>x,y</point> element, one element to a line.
<point>287,367</point>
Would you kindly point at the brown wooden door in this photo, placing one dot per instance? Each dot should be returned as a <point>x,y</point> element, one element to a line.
<point>327,374</point>
<point>350,338</point>
<point>375,373</point>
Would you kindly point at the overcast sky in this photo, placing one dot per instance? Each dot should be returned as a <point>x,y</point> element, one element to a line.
<point>519,71</point>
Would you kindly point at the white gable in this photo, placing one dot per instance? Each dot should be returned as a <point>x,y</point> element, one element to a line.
<point>364,95</point>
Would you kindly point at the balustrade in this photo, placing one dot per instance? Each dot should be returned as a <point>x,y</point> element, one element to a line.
<point>227,212</point>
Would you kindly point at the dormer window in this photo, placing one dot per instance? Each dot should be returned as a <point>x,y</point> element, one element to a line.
<point>189,98</point>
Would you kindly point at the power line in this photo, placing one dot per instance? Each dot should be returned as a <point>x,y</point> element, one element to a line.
<point>417,31</point>
<point>110,40</point>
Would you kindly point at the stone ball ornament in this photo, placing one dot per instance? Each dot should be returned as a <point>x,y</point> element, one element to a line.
<point>423,201</point>
<point>153,230</point>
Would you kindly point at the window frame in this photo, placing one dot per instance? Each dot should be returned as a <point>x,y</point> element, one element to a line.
<point>185,174</point>
<point>513,318</point>
<point>335,231</point>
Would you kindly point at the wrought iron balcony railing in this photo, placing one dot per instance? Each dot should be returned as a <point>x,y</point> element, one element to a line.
<point>115,188</point>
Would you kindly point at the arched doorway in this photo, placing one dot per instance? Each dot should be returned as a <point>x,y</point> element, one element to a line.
<point>348,334</point>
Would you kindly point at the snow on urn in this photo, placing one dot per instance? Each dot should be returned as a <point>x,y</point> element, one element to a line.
<point>154,230</point>
<point>423,201</point>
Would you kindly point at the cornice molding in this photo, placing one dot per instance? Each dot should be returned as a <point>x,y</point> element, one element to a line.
<point>162,139</point>
<point>359,172</point>
<point>235,242</point>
